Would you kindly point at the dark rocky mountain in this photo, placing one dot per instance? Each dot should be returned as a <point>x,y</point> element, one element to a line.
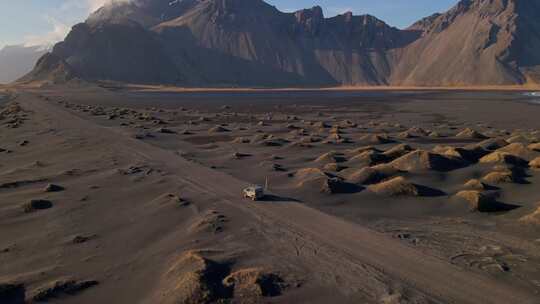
<point>251,43</point>
<point>17,60</point>
<point>482,42</point>
<point>52,69</point>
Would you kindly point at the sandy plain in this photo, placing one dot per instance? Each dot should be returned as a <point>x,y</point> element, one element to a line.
<point>394,196</point>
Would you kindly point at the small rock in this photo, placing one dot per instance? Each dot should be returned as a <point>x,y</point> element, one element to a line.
<point>79,239</point>
<point>181,202</point>
<point>165,131</point>
<point>12,293</point>
<point>35,205</point>
<point>278,167</point>
<point>218,129</point>
<point>61,287</point>
<point>535,163</point>
<point>404,236</point>
<point>53,188</point>
<point>238,155</point>
<point>132,170</point>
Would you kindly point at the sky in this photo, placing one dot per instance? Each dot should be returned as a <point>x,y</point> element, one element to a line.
<point>38,22</point>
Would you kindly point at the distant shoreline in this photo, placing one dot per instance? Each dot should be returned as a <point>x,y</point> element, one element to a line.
<point>113,86</point>
<point>159,88</point>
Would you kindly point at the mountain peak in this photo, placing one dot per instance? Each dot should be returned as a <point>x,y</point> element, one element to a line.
<point>310,20</point>
<point>148,13</point>
<point>314,11</point>
<point>241,8</point>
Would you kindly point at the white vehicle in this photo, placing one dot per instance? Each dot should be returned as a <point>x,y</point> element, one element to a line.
<point>254,193</point>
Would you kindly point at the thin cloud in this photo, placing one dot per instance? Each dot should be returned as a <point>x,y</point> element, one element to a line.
<point>94,5</point>
<point>60,28</point>
<point>58,32</point>
<point>89,6</point>
<point>333,10</point>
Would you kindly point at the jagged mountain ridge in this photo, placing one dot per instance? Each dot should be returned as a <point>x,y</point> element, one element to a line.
<point>251,43</point>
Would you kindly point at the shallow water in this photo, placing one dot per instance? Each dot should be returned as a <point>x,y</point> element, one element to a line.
<point>535,97</point>
<point>270,96</point>
<point>317,96</point>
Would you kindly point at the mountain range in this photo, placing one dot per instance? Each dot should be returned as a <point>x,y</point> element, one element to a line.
<point>251,43</point>
<point>17,60</point>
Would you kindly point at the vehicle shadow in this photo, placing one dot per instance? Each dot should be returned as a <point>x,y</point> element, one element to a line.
<point>275,198</point>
